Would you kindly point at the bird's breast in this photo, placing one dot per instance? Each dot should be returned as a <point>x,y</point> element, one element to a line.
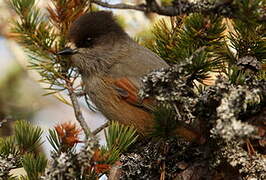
<point>115,108</point>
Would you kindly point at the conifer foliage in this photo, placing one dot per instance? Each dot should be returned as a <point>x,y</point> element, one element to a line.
<point>42,35</point>
<point>210,119</point>
<point>228,113</point>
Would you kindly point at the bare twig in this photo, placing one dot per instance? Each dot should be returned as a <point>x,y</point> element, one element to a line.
<point>163,166</point>
<point>162,176</point>
<point>140,7</point>
<point>99,129</point>
<point>115,172</point>
<point>79,116</point>
<point>178,8</point>
<point>154,7</point>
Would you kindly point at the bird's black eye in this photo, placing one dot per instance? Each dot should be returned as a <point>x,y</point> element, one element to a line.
<point>88,42</point>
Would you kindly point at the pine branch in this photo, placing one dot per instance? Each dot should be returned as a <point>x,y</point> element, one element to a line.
<point>43,37</point>
<point>119,137</point>
<point>34,165</point>
<point>194,39</point>
<point>28,137</point>
<point>140,7</point>
<point>8,146</point>
<point>179,7</point>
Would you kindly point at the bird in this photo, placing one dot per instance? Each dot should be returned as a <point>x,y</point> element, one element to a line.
<point>111,65</point>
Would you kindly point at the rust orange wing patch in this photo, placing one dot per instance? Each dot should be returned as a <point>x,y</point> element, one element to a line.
<point>127,90</point>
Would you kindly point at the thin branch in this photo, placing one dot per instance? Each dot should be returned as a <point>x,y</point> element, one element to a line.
<point>99,129</point>
<point>79,116</point>
<point>115,172</point>
<point>179,7</point>
<point>140,7</point>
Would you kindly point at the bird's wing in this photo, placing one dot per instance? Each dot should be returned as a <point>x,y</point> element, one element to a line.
<point>128,90</point>
<point>135,63</point>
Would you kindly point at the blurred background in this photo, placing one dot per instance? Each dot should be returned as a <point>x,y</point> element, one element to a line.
<point>22,96</point>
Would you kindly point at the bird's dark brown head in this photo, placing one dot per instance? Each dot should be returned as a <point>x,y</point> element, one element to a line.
<point>93,25</point>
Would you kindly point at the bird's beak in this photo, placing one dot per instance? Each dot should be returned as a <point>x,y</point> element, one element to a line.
<point>67,52</point>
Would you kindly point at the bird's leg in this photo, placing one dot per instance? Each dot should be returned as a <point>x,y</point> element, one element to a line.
<point>162,165</point>
<point>79,94</point>
<point>251,150</point>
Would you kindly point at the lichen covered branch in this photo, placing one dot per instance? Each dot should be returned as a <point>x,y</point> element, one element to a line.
<point>178,7</point>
